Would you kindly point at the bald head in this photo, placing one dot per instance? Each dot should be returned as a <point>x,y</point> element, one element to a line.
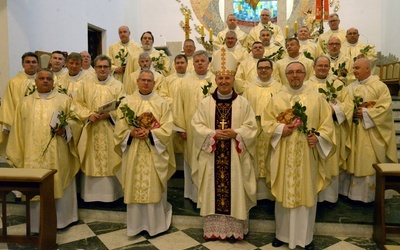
<point>352,35</point>
<point>124,34</point>
<point>362,69</point>
<point>334,46</point>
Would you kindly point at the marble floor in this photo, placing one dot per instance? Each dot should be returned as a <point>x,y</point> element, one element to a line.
<point>344,225</point>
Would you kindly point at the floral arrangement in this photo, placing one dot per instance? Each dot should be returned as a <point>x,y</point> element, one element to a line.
<point>206,88</point>
<point>159,62</point>
<point>331,91</point>
<point>122,55</point>
<point>145,120</point>
<point>298,118</point>
<point>359,102</point>
<point>63,118</point>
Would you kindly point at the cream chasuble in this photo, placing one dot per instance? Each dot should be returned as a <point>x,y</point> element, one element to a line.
<point>31,135</point>
<point>96,144</point>
<point>259,93</point>
<point>131,47</point>
<point>376,144</point>
<point>145,169</point>
<point>189,96</point>
<point>295,175</point>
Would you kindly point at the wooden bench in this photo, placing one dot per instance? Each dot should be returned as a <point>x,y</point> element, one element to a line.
<point>31,182</point>
<point>390,75</point>
<point>387,177</point>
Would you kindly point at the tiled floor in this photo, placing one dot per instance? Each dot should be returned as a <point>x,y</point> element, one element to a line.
<point>344,225</point>
<point>105,235</point>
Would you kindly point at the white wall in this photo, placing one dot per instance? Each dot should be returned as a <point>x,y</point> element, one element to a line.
<point>62,25</point>
<point>366,16</point>
<point>390,30</point>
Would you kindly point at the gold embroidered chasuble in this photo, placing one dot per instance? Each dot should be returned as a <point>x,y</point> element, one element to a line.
<point>211,170</point>
<point>376,144</point>
<point>294,175</point>
<point>258,96</point>
<point>188,98</point>
<point>131,47</point>
<point>130,84</point>
<point>96,144</point>
<point>72,83</point>
<point>31,134</point>
<point>19,86</point>
<point>145,171</point>
<point>336,162</point>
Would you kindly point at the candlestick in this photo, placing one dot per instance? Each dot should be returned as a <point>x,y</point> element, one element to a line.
<point>187,26</point>
<point>211,34</point>
<point>296,26</point>
<point>202,30</point>
<point>287,31</point>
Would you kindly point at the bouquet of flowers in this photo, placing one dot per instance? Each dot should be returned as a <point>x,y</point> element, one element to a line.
<point>62,122</point>
<point>298,117</point>
<point>331,91</point>
<point>122,55</point>
<point>159,62</point>
<point>145,120</point>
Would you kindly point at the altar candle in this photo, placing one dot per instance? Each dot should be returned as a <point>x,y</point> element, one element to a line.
<point>296,26</point>
<point>202,30</point>
<point>211,34</point>
<point>287,31</point>
<point>186,18</point>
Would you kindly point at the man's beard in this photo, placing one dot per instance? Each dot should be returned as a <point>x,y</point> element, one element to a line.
<point>146,47</point>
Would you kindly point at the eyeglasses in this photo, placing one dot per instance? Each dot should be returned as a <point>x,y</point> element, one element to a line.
<point>333,21</point>
<point>297,72</point>
<point>264,68</point>
<point>334,44</point>
<point>322,66</point>
<point>102,67</point>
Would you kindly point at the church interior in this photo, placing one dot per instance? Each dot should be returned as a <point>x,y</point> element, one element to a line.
<point>74,26</point>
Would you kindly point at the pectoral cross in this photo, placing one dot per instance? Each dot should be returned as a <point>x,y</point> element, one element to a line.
<point>223,123</point>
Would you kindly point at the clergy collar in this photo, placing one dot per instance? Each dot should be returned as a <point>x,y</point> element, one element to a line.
<point>365,80</point>
<point>146,97</point>
<point>264,83</point>
<point>104,81</point>
<point>75,77</point>
<point>323,80</point>
<point>231,49</point>
<point>181,75</point>
<point>201,77</point>
<point>126,44</point>
<point>44,95</point>
<point>30,76</point>
<point>296,91</point>
<point>294,58</point>
<point>224,98</point>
